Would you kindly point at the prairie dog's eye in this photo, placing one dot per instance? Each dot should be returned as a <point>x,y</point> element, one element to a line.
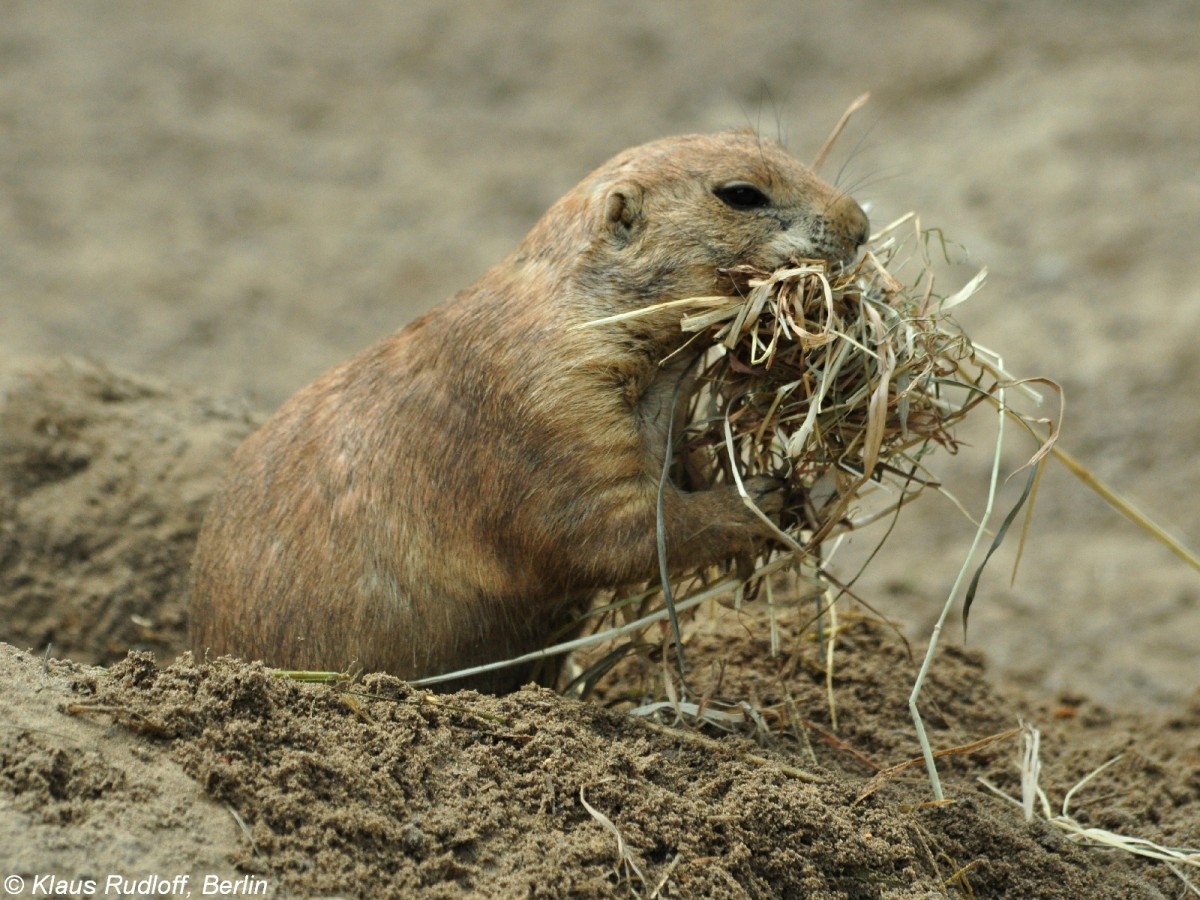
<point>741,195</point>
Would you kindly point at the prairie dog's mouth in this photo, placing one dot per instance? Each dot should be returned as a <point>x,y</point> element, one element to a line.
<point>740,280</point>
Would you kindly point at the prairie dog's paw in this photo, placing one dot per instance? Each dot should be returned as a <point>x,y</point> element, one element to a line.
<point>767,492</point>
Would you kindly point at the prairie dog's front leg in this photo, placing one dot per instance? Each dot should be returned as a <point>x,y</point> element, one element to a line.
<point>617,542</point>
<point>701,527</point>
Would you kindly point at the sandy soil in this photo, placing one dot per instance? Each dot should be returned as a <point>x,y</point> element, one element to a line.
<point>206,209</point>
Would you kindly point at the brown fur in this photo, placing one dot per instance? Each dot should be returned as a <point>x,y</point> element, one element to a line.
<point>458,491</point>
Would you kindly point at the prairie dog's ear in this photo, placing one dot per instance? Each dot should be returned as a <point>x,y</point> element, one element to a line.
<point>623,210</point>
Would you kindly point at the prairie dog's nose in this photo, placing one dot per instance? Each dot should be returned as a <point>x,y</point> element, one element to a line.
<point>849,222</point>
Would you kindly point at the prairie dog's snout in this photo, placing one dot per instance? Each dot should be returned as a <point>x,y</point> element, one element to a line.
<point>848,224</point>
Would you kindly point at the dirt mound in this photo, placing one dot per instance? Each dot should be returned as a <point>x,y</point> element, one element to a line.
<point>80,801</point>
<point>104,479</point>
<point>382,791</point>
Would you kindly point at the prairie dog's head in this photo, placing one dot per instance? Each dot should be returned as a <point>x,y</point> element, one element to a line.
<point>664,217</point>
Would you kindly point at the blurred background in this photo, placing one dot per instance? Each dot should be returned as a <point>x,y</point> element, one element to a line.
<point>234,196</point>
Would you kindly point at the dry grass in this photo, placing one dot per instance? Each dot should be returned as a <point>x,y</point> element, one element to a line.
<point>839,384</point>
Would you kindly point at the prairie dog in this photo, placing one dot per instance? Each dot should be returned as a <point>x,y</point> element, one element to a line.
<point>458,491</point>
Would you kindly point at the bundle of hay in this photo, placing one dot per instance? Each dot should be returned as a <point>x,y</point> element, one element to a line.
<point>838,383</point>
